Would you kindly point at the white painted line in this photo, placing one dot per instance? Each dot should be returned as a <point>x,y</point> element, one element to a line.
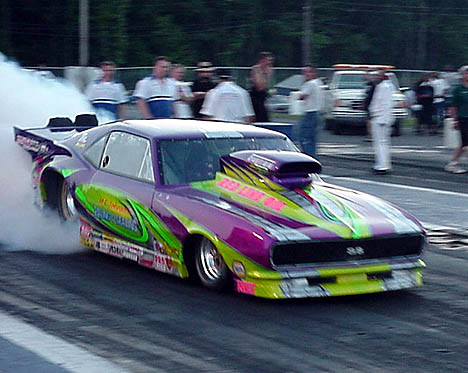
<point>401,186</point>
<point>53,349</point>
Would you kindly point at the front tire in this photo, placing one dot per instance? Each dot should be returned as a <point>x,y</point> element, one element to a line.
<point>211,268</point>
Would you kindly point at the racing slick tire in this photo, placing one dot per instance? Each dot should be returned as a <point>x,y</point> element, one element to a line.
<point>210,266</point>
<point>66,204</point>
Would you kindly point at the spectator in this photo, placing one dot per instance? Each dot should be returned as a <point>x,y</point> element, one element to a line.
<point>184,93</point>
<point>425,95</point>
<point>311,93</point>
<point>380,110</point>
<point>370,87</point>
<point>202,85</point>
<point>260,76</point>
<point>439,87</point>
<point>156,93</point>
<point>459,114</point>
<point>108,94</point>
<point>228,102</point>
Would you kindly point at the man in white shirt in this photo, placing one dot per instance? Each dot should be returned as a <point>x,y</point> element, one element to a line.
<point>156,93</point>
<point>228,102</point>
<point>311,93</point>
<point>184,93</point>
<point>108,94</point>
<point>381,117</point>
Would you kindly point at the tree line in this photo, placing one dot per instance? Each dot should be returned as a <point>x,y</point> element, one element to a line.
<point>410,34</point>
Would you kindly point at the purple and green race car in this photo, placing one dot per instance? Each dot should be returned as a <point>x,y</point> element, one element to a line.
<point>228,204</point>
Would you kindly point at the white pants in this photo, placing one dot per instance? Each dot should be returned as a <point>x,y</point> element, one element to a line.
<point>381,143</point>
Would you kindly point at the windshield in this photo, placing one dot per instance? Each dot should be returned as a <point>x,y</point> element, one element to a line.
<point>351,81</point>
<point>186,161</point>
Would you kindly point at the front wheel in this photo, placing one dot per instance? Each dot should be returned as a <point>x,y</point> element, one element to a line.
<point>66,203</point>
<point>211,268</point>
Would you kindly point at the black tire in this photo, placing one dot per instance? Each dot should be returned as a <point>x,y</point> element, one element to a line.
<point>210,266</point>
<point>66,205</point>
<point>337,130</point>
<point>329,123</point>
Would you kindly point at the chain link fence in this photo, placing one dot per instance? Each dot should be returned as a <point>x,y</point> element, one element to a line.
<point>129,76</point>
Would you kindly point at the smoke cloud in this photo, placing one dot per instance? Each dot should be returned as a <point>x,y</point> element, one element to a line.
<point>28,99</point>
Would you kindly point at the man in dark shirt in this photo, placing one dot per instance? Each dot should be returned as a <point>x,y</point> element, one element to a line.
<point>425,95</point>
<point>459,114</point>
<point>202,85</point>
<point>370,87</point>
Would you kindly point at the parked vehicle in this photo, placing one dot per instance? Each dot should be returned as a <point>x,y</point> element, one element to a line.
<point>345,95</point>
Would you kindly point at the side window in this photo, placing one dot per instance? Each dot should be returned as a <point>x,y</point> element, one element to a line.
<point>94,152</point>
<point>128,155</point>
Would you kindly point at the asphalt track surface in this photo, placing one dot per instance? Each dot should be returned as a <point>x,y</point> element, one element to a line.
<point>145,321</point>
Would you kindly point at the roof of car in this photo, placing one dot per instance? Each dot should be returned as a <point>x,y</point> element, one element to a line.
<point>183,129</point>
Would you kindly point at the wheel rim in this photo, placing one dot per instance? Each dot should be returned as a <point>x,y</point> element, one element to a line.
<point>69,204</point>
<point>211,261</point>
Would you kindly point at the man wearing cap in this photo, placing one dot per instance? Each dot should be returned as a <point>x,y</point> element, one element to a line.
<point>459,114</point>
<point>202,85</point>
<point>156,93</point>
<point>106,94</point>
<point>228,102</point>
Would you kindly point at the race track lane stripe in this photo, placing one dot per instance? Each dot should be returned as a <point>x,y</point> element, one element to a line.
<point>401,186</point>
<point>53,349</point>
<point>34,308</point>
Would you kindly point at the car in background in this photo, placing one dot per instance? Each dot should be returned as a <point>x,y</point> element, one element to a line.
<point>345,95</point>
<point>230,205</point>
<point>277,104</point>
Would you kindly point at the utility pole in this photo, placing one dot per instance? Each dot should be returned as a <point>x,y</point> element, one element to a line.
<point>421,51</point>
<point>84,32</point>
<point>307,31</point>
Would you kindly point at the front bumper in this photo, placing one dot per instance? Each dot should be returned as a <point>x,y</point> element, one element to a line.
<point>359,118</point>
<point>336,281</point>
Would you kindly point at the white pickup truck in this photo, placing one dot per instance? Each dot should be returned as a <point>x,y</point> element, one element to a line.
<point>345,95</point>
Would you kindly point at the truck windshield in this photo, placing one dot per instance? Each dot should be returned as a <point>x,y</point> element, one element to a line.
<point>351,81</point>
<point>357,81</point>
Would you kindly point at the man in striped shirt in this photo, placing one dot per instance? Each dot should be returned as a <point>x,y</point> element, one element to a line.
<point>156,93</point>
<point>106,94</point>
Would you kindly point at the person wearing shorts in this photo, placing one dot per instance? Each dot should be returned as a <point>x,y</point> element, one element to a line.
<point>459,115</point>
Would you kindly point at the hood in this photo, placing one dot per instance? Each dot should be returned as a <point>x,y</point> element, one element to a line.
<point>281,188</point>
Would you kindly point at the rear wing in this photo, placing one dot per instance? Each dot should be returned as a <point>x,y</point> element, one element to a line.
<point>42,141</point>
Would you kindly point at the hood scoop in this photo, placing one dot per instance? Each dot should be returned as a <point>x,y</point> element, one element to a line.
<point>287,169</point>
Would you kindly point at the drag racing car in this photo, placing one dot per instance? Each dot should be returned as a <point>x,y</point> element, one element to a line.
<point>233,206</point>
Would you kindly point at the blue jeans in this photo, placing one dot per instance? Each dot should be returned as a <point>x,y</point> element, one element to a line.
<point>308,133</point>
<point>439,114</point>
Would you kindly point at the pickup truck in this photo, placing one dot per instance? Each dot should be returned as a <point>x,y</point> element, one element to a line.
<point>345,95</point>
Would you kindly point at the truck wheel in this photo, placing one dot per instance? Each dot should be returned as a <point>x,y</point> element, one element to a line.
<point>337,130</point>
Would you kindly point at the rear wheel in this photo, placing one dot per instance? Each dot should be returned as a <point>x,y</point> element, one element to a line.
<point>211,268</point>
<point>66,203</point>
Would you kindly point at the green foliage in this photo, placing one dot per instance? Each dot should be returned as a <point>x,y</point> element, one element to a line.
<point>424,34</point>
